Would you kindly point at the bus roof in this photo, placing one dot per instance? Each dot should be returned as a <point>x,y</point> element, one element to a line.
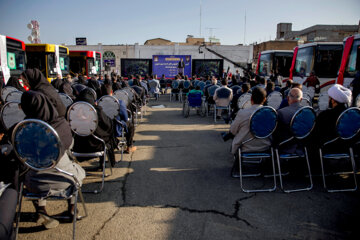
<point>276,51</point>
<point>47,47</point>
<point>22,43</point>
<point>87,53</point>
<point>318,44</point>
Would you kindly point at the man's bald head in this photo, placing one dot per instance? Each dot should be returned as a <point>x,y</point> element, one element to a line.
<point>295,95</point>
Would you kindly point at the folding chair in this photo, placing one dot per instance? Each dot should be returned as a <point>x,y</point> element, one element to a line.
<point>210,101</point>
<point>186,89</point>
<point>274,99</point>
<point>222,93</point>
<point>111,108</point>
<point>38,146</point>
<point>14,96</point>
<point>262,125</point>
<point>154,89</point>
<point>347,127</point>
<point>11,114</point>
<point>5,91</point>
<point>83,122</point>
<point>175,86</point>
<point>301,125</point>
<point>357,101</point>
<point>67,101</point>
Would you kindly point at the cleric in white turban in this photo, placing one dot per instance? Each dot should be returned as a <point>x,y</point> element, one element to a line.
<point>340,94</point>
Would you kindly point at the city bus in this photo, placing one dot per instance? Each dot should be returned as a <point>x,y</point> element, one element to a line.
<point>277,61</point>
<point>350,62</point>
<point>323,58</point>
<point>85,63</point>
<point>12,58</point>
<point>51,59</point>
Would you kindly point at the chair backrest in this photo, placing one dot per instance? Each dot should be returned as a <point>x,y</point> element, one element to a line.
<point>194,99</point>
<point>130,82</point>
<point>175,84</point>
<point>348,123</point>
<point>14,96</point>
<point>195,83</point>
<point>187,84</point>
<point>211,90</point>
<point>110,106</point>
<point>83,118</point>
<point>78,87</point>
<point>310,91</point>
<point>93,92</point>
<point>244,101</point>
<point>202,85</point>
<point>223,92</point>
<point>67,101</point>
<point>235,88</point>
<point>305,102</point>
<point>303,122</point>
<point>208,82</point>
<point>37,144</point>
<point>129,93</point>
<point>323,101</point>
<point>357,101</point>
<point>11,114</point>
<point>274,99</point>
<point>263,122</point>
<point>5,91</point>
<point>307,96</point>
<point>122,95</point>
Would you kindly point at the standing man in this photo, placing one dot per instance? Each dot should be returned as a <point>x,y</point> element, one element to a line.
<point>181,66</point>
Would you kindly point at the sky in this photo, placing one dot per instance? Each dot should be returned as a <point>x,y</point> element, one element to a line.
<point>135,21</point>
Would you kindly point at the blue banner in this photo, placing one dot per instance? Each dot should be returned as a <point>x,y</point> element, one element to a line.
<point>171,65</point>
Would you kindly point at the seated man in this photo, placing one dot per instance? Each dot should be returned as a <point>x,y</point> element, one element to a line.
<point>285,115</point>
<point>325,127</point>
<point>223,101</point>
<point>245,87</point>
<point>240,129</point>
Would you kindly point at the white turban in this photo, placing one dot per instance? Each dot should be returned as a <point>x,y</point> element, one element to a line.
<point>340,93</point>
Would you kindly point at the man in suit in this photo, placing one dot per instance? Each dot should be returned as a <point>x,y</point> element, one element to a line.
<point>285,115</point>
<point>240,129</point>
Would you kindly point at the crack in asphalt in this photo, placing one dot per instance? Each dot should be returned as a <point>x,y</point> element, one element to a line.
<point>237,204</point>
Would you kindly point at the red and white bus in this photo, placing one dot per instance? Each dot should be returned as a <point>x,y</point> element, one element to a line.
<point>350,62</point>
<point>323,58</point>
<point>85,63</point>
<point>277,61</point>
<point>12,58</point>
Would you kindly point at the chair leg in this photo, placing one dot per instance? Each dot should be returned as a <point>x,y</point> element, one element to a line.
<point>322,168</point>
<point>279,168</point>
<point>19,210</point>
<point>75,215</point>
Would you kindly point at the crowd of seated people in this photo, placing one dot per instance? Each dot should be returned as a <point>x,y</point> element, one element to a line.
<point>40,100</point>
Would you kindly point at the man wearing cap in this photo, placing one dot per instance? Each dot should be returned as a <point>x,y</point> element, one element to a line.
<point>325,128</point>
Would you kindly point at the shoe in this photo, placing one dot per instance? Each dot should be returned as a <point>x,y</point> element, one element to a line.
<point>47,221</point>
<point>130,149</point>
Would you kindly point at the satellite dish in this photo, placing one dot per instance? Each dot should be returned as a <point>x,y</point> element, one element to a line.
<point>30,26</point>
<point>30,38</point>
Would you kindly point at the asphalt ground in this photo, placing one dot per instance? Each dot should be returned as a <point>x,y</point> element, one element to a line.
<point>177,185</point>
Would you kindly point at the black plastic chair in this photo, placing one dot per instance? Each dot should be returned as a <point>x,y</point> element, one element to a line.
<point>347,127</point>
<point>301,125</point>
<point>38,146</point>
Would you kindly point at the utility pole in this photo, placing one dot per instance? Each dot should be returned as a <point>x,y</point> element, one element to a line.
<point>200,16</point>
<point>245,29</point>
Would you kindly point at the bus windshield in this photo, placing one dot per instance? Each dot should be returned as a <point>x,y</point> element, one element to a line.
<point>64,64</point>
<point>353,64</point>
<point>328,58</point>
<point>304,62</point>
<point>36,60</point>
<point>51,63</point>
<point>16,61</point>
<point>283,63</point>
<point>265,64</point>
